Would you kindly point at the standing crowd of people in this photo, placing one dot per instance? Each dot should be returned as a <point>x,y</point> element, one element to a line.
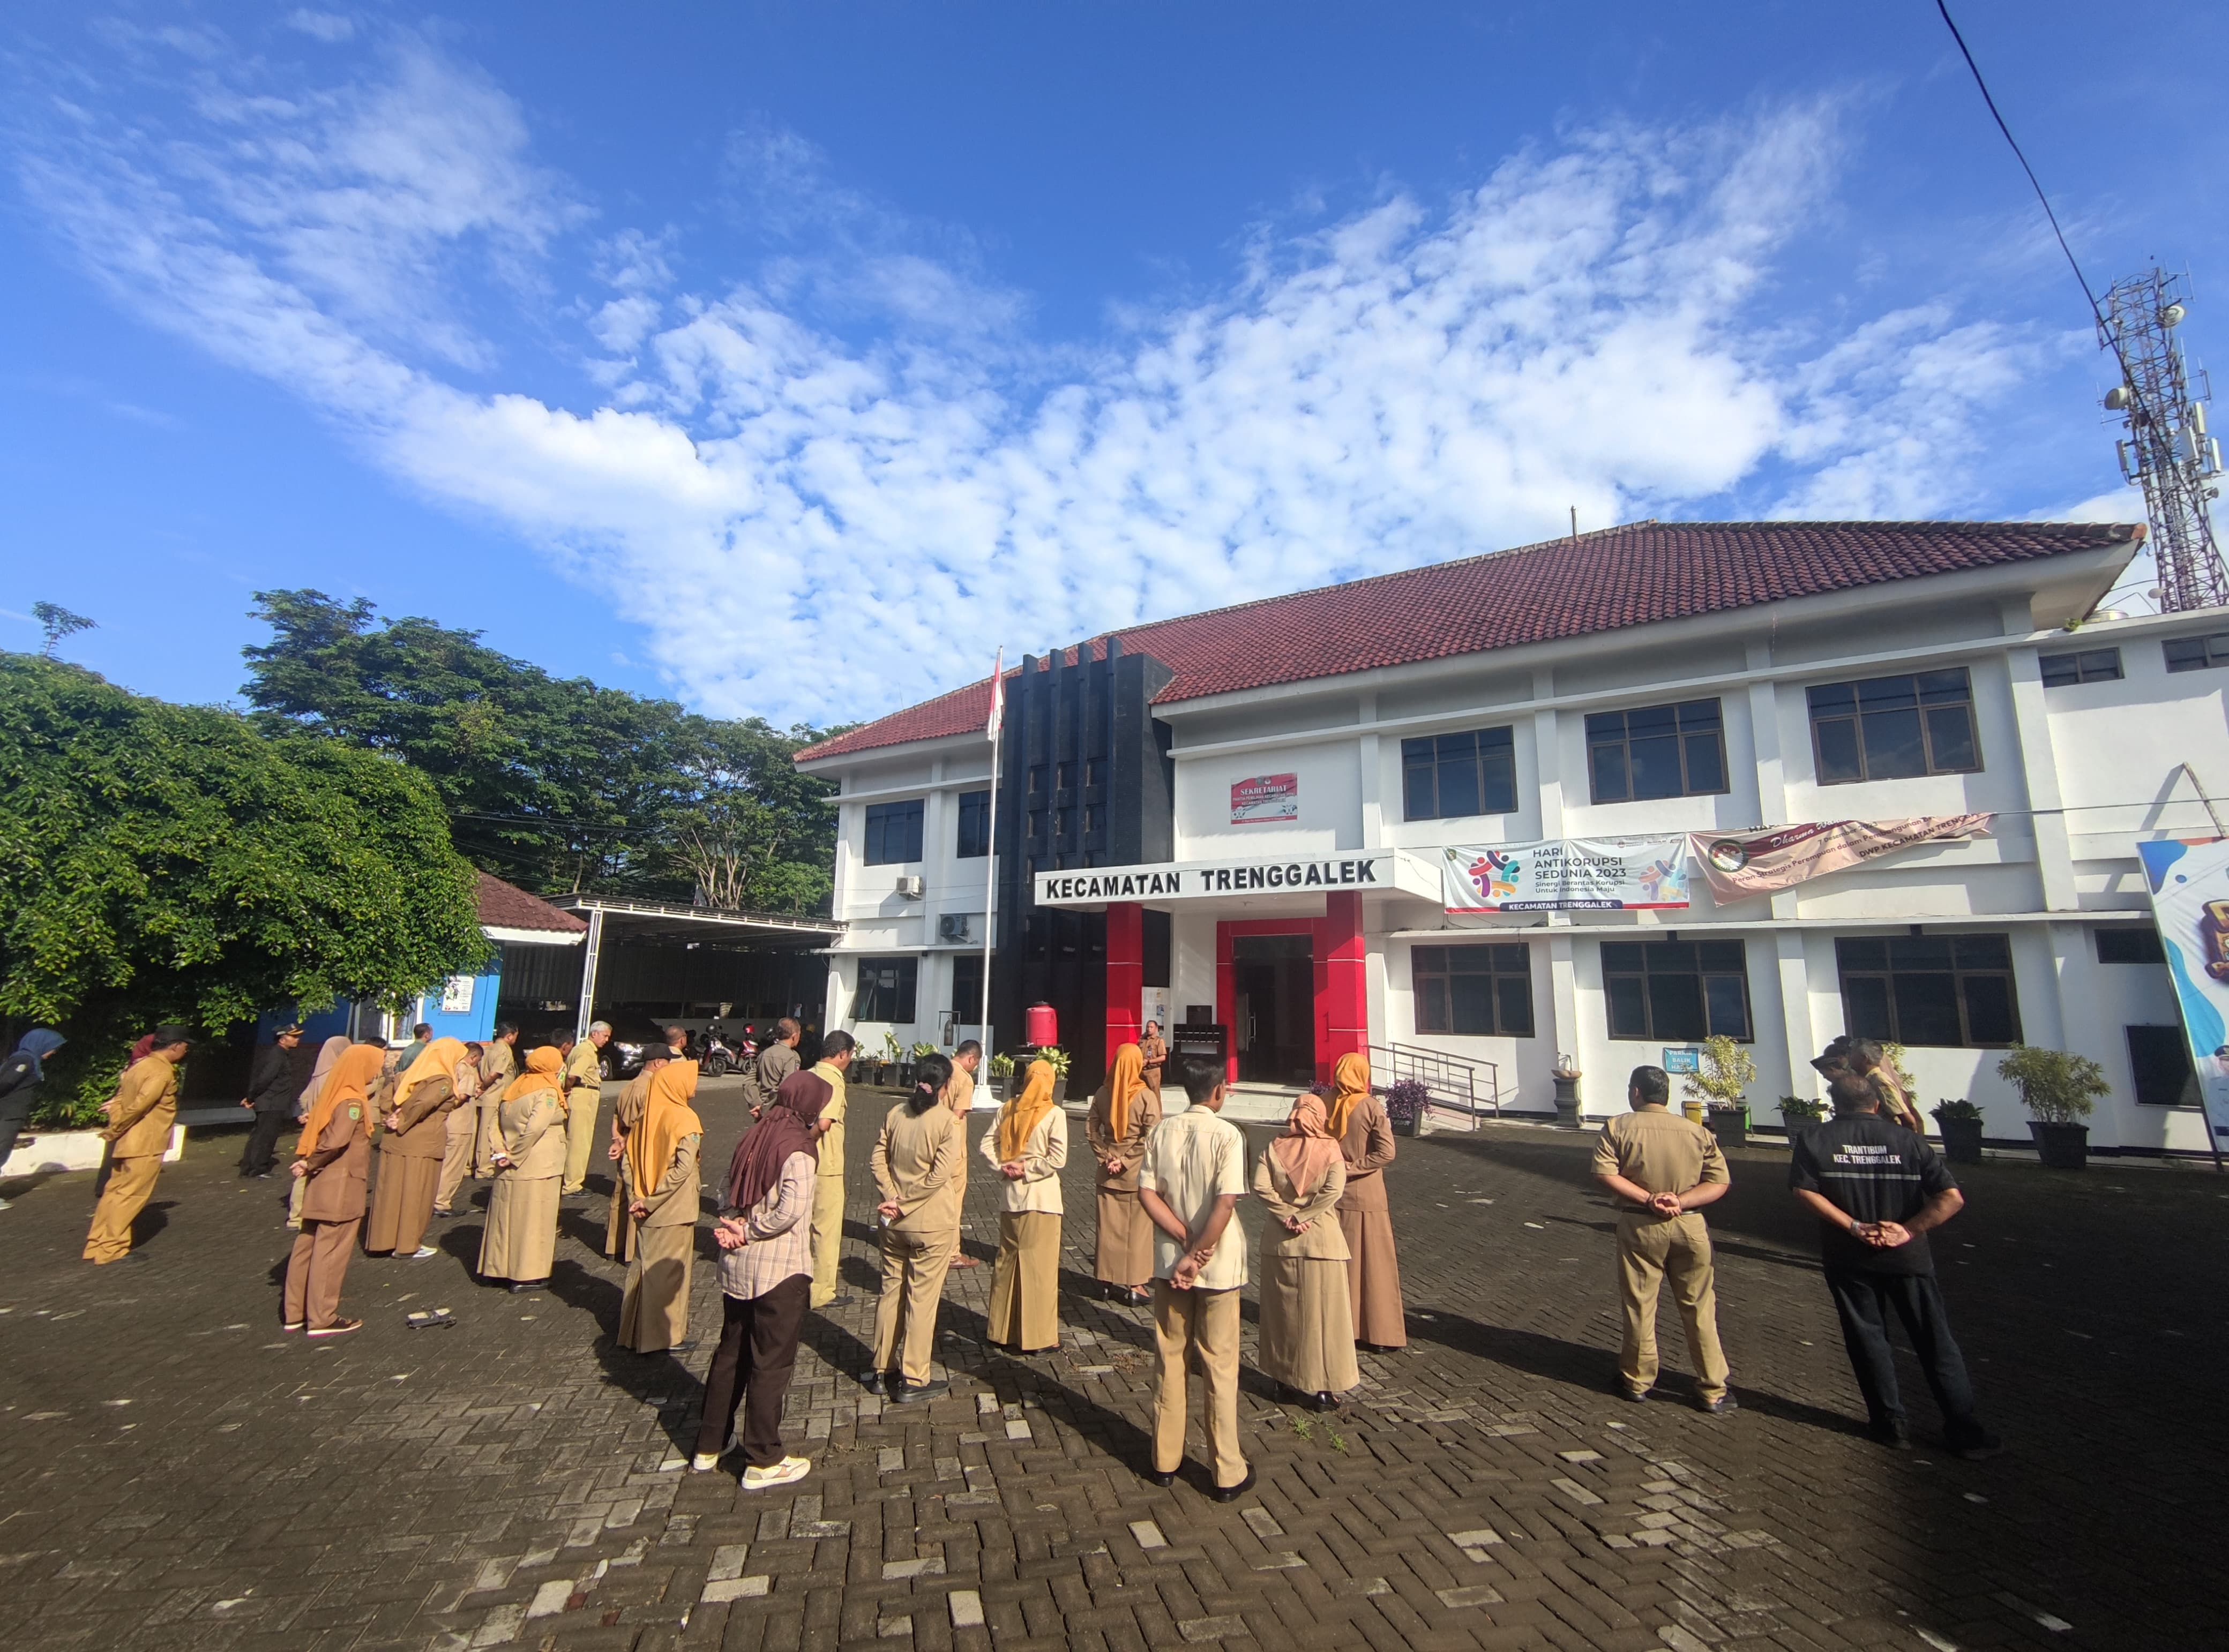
<point>1168,1185</point>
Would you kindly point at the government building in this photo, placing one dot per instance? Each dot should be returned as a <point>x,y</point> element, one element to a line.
<point>1301,826</point>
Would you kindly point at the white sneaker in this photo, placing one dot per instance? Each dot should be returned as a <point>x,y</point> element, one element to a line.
<point>704,1463</point>
<point>422,1252</point>
<point>3,1204</point>
<point>785,1472</point>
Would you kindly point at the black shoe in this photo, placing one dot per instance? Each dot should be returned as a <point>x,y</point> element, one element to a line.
<point>1625,1390</point>
<point>1232,1494</point>
<point>438,1211</point>
<point>1895,1436</point>
<point>1976,1448</point>
<point>1720,1406</point>
<point>1162,1478</point>
<point>689,1346</point>
<point>872,1382</point>
<point>907,1393</point>
<point>844,1301</point>
<point>1325,1401</point>
<point>520,1287</point>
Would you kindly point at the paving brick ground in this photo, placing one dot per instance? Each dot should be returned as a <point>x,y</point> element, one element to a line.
<point>175,1474</point>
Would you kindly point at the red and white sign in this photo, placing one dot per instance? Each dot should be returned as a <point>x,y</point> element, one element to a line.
<point>1265,798</point>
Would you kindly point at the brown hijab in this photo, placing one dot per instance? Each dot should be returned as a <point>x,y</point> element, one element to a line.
<point>787,1127</point>
<point>1306,1151</point>
<point>350,1081</point>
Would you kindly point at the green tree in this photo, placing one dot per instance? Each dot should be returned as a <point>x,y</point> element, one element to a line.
<point>743,827</point>
<point>177,863</point>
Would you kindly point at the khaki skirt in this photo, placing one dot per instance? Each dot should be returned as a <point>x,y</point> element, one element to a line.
<point>1025,1290</point>
<point>655,1313</point>
<point>1307,1337</point>
<point>1126,1239</point>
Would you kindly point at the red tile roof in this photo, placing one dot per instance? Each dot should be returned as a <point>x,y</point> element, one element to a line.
<point>1633,575</point>
<point>505,906</point>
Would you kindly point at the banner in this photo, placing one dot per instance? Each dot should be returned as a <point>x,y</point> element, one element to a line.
<point>2190,902</point>
<point>1739,864</point>
<point>1567,873</point>
<point>1265,798</point>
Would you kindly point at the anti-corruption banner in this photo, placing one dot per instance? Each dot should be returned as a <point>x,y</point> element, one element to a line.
<point>1561,874</point>
<point>2190,902</point>
<point>1737,864</point>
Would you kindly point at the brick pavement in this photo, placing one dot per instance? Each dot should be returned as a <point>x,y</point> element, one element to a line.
<point>176,1474</point>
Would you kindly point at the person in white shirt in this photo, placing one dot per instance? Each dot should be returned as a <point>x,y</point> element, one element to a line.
<point>961,1099</point>
<point>1190,1184</point>
<point>1029,1148</point>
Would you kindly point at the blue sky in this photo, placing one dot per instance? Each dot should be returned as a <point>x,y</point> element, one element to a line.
<point>789,359</point>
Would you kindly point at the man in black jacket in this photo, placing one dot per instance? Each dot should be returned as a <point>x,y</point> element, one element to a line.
<point>272,1089</point>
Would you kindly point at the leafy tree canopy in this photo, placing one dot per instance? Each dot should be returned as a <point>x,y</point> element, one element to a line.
<point>552,782</point>
<point>177,863</point>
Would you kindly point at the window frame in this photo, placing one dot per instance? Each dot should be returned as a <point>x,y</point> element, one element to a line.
<point>1423,756</point>
<point>1892,1031</point>
<point>1597,736</point>
<point>880,817</point>
<point>2154,952</point>
<point>905,990</point>
<point>1504,961</point>
<point>2079,662</point>
<point>965,1007</point>
<point>2188,1086</point>
<point>1610,959</point>
<point>980,813</point>
<point>1856,716</point>
<point>2211,658</point>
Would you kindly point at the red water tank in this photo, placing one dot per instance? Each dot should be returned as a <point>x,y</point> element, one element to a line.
<point>1044,1025</point>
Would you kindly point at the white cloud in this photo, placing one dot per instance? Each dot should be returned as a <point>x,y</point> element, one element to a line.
<point>834,485</point>
<point>327,26</point>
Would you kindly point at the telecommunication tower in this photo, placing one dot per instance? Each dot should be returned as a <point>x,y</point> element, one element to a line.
<point>2166,451</point>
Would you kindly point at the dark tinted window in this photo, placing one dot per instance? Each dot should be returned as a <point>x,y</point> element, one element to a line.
<point>1676,991</point>
<point>2092,665</point>
<point>2130,946</point>
<point>886,990</point>
<point>2159,1059</point>
<point>1444,776</point>
<point>1474,991</point>
<point>975,824</point>
<point>893,832</point>
<point>1676,751</point>
<point>2197,653</point>
<point>1893,729</point>
<point>1954,991</point>
<point>967,987</point>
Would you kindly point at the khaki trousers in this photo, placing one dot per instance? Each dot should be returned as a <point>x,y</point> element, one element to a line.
<point>1205,1322</point>
<point>580,1135</point>
<point>459,1130</point>
<point>316,1268</point>
<point>1649,1250</point>
<point>827,1236</point>
<point>914,1266</point>
<point>130,1185</point>
<point>485,1109</point>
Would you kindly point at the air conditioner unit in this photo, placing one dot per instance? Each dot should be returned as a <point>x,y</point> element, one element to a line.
<point>956,928</point>
<point>913,887</point>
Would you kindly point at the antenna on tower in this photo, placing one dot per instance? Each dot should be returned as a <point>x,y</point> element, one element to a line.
<point>2167,451</point>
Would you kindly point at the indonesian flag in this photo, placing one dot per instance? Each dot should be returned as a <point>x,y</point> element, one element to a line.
<point>998,697</point>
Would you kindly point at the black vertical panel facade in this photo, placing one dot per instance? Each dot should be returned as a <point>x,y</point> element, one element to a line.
<point>1085,780</point>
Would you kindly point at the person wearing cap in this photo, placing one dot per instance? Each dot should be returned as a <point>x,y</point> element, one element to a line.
<point>271,1093</point>
<point>138,1134</point>
<point>584,1097</point>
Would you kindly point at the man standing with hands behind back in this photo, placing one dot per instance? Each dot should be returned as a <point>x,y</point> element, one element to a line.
<point>1666,1168</point>
<point>584,1095</point>
<point>828,1174</point>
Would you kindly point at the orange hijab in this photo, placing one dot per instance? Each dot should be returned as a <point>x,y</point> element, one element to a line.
<point>1124,1081</point>
<point>349,1081</point>
<point>542,1067</point>
<point>1025,1111</point>
<point>1306,1151</point>
<point>666,1117</point>
<point>1351,1079</point>
<point>437,1060</point>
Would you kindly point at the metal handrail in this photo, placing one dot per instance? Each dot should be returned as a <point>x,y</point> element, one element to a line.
<point>1461,1080</point>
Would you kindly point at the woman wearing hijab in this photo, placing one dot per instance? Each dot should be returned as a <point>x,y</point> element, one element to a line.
<point>1358,1123</point>
<point>916,1167</point>
<point>21,1075</point>
<point>1028,1147</point>
<point>331,1162</point>
<point>765,1236</point>
<point>1123,1116</point>
<point>661,1159</point>
<point>626,1113</point>
<point>438,1082</point>
<point>527,1151</point>
<point>328,1053</point>
<point>1307,1328</point>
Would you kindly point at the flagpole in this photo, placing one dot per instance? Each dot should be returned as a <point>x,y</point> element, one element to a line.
<point>991,875</point>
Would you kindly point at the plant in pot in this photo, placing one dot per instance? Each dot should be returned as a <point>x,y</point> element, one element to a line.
<point>1796,1112</point>
<point>1057,1058</point>
<point>1960,1121</point>
<point>1721,1081</point>
<point>1404,1105</point>
<point>2058,1089</point>
<point>1002,1075</point>
<point>888,1070</point>
<point>1567,1077</point>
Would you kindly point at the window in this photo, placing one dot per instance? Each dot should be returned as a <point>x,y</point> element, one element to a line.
<point>886,990</point>
<point>2092,665</point>
<point>893,832</point>
<point>1892,728</point>
<point>967,987</point>
<point>1657,751</point>
<point>1473,991</point>
<point>974,825</point>
<point>2161,1061</point>
<point>1954,991</point>
<point>1444,776</point>
<point>1676,991</point>
<point>2130,945</point>
<point>2197,653</point>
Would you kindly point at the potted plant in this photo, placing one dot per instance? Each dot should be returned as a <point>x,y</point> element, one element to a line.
<point>1002,1075</point>
<point>1404,1105</point>
<point>2058,1089</point>
<point>1723,1074</point>
<point>914,1056</point>
<point>1796,1112</point>
<point>889,1070</point>
<point>1057,1058</point>
<point>1567,1091</point>
<point>1960,1122</point>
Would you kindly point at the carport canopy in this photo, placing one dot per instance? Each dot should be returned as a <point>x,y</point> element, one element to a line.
<point>673,920</point>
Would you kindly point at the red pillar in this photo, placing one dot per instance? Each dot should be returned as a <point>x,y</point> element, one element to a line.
<point>1226,997</point>
<point>1125,975</point>
<point>1343,997</point>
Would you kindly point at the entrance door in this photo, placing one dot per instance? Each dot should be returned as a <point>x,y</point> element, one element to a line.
<point>1273,980</point>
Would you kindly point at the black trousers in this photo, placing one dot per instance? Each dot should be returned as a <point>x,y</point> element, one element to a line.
<point>262,1150</point>
<point>12,1120</point>
<point>1864,1302</point>
<point>751,1370</point>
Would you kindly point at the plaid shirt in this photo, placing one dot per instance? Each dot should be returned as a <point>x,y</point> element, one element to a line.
<point>781,1227</point>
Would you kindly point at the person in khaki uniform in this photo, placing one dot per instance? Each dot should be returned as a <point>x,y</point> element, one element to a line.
<point>138,1134</point>
<point>961,1098</point>
<point>626,1113</point>
<point>584,1099</point>
<point>662,1183</point>
<point>1308,1327</point>
<point>520,1239</point>
<point>1028,1147</point>
<point>828,1175</point>
<point>1191,1181</point>
<point>411,1151</point>
<point>1123,1114</point>
<point>916,1168</point>
<point>498,1066</point>
<point>777,1060</point>
<point>1666,1168</point>
<point>332,1161</point>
